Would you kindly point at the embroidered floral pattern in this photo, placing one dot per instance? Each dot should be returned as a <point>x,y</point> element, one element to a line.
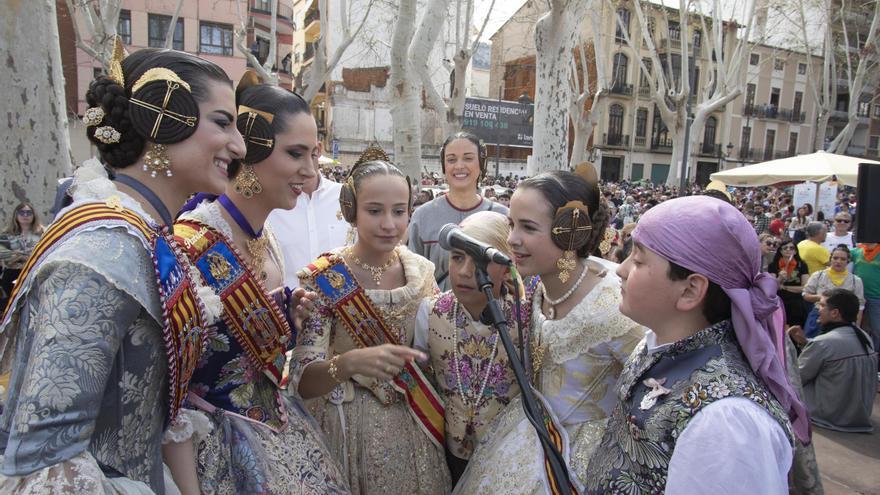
<point>639,444</point>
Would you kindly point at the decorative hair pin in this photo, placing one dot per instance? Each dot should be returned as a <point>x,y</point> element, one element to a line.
<point>93,116</point>
<point>107,135</point>
<point>115,69</point>
<point>252,114</point>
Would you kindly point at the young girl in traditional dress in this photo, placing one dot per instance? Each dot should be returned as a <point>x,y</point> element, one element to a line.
<point>261,440</point>
<point>467,361</point>
<point>383,419</point>
<point>580,340</point>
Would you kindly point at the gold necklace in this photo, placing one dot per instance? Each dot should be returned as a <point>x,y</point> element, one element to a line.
<point>257,248</point>
<point>376,272</point>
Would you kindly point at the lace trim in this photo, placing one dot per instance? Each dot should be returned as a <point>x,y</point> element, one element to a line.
<point>91,183</point>
<point>79,474</point>
<point>210,213</point>
<point>595,320</point>
<point>189,424</point>
<point>416,269</point>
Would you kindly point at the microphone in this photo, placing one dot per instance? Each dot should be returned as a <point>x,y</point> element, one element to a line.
<point>451,237</point>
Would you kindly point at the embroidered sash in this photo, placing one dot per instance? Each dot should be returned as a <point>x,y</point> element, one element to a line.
<point>252,316</point>
<point>182,311</point>
<point>352,306</point>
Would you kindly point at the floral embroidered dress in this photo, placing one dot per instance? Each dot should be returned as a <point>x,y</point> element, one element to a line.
<point>253,438</point>
<point>370,428</point>
<point>581,356</point>
<point>469,366</point>
<point>88,394</point>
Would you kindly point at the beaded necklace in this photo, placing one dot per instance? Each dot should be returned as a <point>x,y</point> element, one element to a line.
<point>471,402</point>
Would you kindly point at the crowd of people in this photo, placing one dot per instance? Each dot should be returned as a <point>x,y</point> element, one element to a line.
<point>211,314</point>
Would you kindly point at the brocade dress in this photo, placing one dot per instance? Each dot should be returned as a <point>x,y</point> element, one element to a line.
<point>88,395</point>
<point>369,425</point>
<point>259,438</point>
<point>579,358</point>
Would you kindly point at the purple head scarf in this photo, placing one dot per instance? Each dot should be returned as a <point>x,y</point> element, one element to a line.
<point>710,237</point>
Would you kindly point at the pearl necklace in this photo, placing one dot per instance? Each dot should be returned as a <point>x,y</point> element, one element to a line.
<point>555,302</point>
<point>472,406</point>
<point>376,272</point>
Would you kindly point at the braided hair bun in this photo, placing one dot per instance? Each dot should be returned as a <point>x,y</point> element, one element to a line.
<point>110,96</point>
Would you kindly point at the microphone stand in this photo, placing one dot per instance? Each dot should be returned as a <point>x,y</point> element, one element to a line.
<point>530,405</point>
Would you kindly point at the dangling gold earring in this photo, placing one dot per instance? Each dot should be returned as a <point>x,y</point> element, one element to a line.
<point>565,264</point>
<point>156,160</point>
<point>246,182</point>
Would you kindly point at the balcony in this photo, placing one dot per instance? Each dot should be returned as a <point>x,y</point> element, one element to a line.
<point>771,112</point>
<point>640,141</point>
<point>312,24</point>
<point>709,149</point>
<point>621,140</point>
<point>284,14</point>
<point>661,144</point>
<point>783,154</point>
<point>668,44</point>
<point>644,91</point>
<point>621,89</point>
<point>309,53</point>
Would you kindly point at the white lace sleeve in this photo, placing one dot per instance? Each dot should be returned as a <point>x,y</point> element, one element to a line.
<point>188,424</point>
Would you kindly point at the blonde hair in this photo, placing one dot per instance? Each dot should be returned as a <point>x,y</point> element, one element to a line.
<point>15,228</point>
<point>492,228</point>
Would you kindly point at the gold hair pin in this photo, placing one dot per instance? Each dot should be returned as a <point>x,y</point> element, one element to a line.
<point>159,74</point>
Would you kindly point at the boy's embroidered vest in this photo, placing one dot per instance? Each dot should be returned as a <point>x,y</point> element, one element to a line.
<point>641,434</point>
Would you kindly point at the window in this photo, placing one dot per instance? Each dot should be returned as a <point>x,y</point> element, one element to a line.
<point>641,122</point>
<point>215,39</point>
<point>877,111</point>
<point>796,106</point>
<point>745,141</point>
<point>698,39</point>
<point>769,144</point>
<point>264,5</point>
<point>123,28</point>
<point>623,15</point>
<point>754,59</point>
<point>621,63</point>
<point>874,142</point>
<point>802,69</point>
<point>158,27</point>
<point>709,135</point>
<point>750,95</point>
<point>637,172</point>
<point>615,125</point>
<point>864,108</point>
<point>674,31</point>
<point>778,64</point>
<point>792,143</point>
<point>645,81</point>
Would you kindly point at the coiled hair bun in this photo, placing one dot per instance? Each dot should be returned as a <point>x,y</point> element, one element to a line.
<point>181,111</point>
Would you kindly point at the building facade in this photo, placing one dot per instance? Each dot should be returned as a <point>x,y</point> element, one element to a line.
<point>204,27</point>
<point>774,117</point>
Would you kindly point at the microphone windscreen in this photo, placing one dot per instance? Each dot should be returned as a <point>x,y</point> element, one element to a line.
<point>445,232</point>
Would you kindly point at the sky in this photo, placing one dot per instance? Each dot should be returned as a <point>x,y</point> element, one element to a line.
<point>502,11</point>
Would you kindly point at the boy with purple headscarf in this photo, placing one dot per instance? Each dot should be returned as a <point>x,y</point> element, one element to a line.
<point>704,405</point>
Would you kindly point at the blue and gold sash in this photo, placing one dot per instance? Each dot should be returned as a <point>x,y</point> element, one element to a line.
<point>252,316</point>
<point>333,279</point>
<point>182,310</point>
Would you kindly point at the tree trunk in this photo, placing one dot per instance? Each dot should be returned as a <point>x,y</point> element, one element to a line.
<point>405,111</point>
<point>36,144</point>
<point>555,36</point>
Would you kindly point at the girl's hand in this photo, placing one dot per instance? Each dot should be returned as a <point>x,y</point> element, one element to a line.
<point>382,362</point>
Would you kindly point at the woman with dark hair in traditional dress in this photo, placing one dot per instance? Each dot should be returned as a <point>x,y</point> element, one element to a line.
<point>107,320</point>
<point>579,338</point>
<point>252,436</point>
